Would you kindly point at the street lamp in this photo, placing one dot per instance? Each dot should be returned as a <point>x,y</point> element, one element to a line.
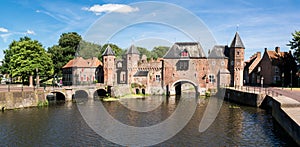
<point>262,81</point>
<point>282,79</point>
<point>291,79</point>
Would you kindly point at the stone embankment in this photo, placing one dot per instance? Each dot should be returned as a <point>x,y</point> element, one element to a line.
<point>285,110</point>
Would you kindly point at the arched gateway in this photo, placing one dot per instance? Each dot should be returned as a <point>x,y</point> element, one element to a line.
<point>176,87</point>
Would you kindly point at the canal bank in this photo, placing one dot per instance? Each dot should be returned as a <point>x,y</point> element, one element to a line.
<point>22,99</point>
<point>285,110</point>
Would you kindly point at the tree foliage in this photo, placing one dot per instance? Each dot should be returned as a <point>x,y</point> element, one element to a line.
<point>159,51</point>
<point>295,45</point>
<point>25,56</point>
<point>88,50</point>
<point>144,51</point>
<point>65,51</point>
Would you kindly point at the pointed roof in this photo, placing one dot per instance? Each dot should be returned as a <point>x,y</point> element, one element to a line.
<point>173,52</point>
<point>132,50</point>
<point>237,41</point>
<point>108,51</point>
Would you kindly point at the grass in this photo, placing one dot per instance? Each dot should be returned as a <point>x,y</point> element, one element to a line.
<point>134,96</point>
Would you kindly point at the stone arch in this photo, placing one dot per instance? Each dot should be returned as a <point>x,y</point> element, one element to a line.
<point>100,93</point>
<point>58,96</point>
<point>176,86</point>
<point>81,94</point>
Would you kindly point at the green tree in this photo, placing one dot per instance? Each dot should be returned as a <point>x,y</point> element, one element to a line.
<point>117,50</point>
<point>295,45</point>
<point>88,50</point>
<point>65,51</point>
<point>144,51</point>
<point>25,56</point>
<point>159,51</point>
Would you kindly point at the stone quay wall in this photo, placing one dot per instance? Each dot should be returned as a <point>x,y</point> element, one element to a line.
<point>14,100</point>
<point>285,110</point>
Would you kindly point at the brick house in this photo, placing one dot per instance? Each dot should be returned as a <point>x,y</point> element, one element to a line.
<point>273,69</point>
<point>80,71</point>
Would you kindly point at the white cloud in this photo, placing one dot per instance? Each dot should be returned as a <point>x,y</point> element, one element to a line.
<point>119,8</point>
<point>4,30</point>
<point>30,32</point>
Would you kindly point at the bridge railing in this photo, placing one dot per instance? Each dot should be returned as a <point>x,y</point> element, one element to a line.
<point>260,90</point>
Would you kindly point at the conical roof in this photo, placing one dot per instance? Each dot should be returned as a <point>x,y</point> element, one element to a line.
<point>237,41</point>
<point>132,50</point>
<point>108,51</point>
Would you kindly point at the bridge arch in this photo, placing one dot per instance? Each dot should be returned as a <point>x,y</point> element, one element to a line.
<point>81,94</point>
<point>100,93</point>
<point>58,96</point>
<point>175,88</point>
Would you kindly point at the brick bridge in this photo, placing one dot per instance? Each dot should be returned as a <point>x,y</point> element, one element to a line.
<point>68,93</point>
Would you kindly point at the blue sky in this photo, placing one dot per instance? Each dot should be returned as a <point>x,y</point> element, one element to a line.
<point>261,24</point>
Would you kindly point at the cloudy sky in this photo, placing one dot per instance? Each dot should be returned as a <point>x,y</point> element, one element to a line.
<point>261,24</point>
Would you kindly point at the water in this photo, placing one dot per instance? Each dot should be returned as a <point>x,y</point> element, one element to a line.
<point>63,125</point>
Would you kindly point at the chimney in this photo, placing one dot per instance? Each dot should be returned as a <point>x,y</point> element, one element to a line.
<point>258,55</point>
<point>277,49</point>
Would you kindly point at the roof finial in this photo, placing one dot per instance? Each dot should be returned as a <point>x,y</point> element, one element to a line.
<point>237,27</point>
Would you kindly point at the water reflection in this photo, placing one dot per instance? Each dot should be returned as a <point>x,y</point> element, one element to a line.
<point>63,125</point>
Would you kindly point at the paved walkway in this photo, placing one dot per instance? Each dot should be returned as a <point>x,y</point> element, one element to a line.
<point>293,93</point>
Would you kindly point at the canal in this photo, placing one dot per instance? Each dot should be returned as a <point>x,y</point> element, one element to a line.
<point>63,125</point>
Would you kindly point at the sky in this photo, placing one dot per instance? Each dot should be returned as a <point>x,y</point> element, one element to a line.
<point>261,24</point>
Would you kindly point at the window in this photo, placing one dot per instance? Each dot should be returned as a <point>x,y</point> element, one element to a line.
<point>182,65</point>
<point>214,63</point>
<point>157,78</point>
<point>276,79</point>
<point>222,63</point>
<point>119,65</point>
<point>276,70</point>
<point>259,69</point>
<point>184,53</point>
<point>211,78</point>
<point>238,53</point>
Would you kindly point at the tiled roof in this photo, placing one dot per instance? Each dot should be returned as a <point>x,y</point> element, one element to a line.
<point>253,62</point>
<point>108,51</point>
<point>141,74</point>
<point>237,41</point>
<point>150,65</point>
<point>80,62</point>
<point>132,50</point>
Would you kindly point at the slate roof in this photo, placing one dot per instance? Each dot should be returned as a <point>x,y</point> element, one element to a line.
<point>141,74</point>
<point>218,51</point>
<point>132,50</point>
<point>108,51</point>
<point>194,50</point>
<point>173,52</point>
<point>80,62</point>
<point>237,41</point>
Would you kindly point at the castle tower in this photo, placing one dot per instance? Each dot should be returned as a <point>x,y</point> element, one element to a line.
<point>236,61</point>
<point>108,59</point>
<point>132,59</point>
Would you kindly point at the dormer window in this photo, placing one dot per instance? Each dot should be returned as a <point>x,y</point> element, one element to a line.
<point>184,53</point>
